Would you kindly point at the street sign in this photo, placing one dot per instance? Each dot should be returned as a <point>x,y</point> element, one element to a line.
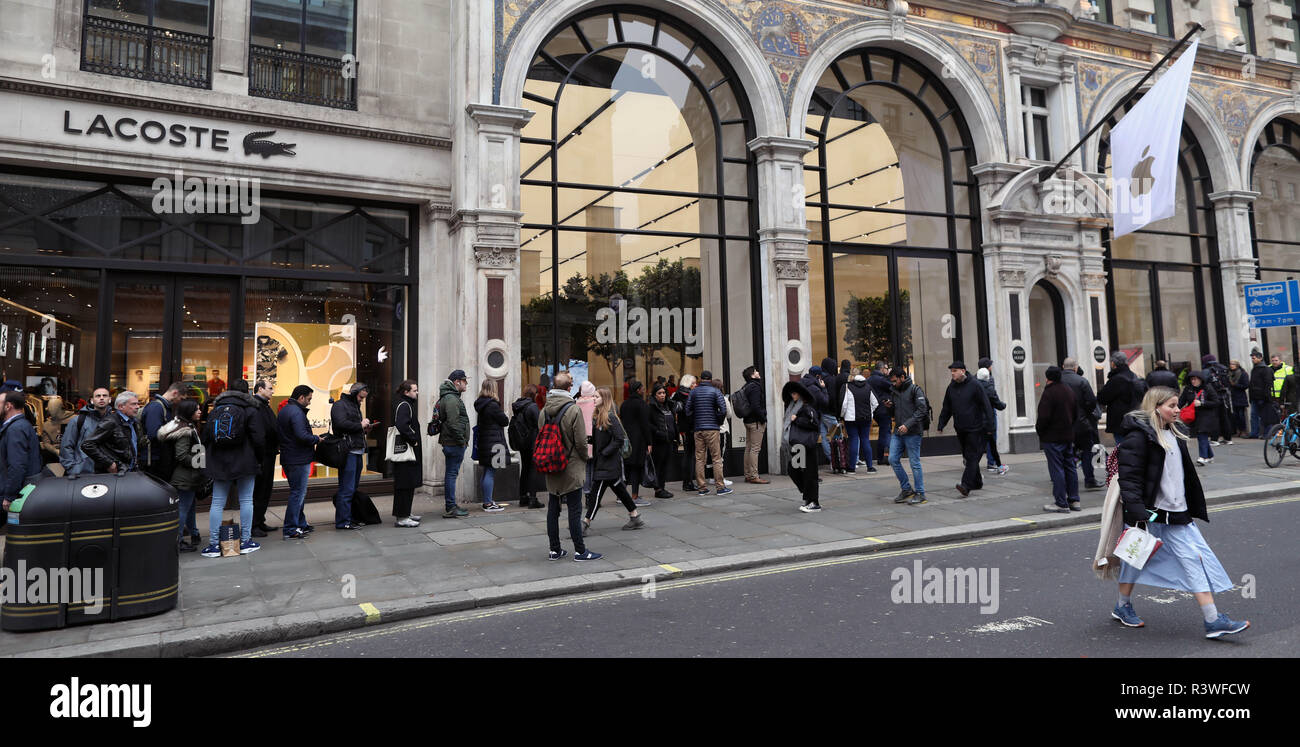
<point>1275,304</point>
<point>1099,354</point>
<point>1018,355</point>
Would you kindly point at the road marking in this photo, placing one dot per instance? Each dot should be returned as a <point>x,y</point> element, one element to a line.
<point>875,539</point>
<point>1010,626</point>
<point>688,583</point>
<point>372,612</point>
<point>670,568</point>
<point>1027,521</point>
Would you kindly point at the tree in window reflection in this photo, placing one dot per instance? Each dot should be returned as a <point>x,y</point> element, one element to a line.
<point>866,327</point>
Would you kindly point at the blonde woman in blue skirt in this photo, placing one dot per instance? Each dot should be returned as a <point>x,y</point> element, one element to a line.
<point>1161,493</point>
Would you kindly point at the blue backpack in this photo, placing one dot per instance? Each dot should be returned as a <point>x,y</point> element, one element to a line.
<point>229,424</point>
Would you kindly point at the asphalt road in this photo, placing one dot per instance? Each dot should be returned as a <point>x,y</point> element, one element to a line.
<point>1048,604</point>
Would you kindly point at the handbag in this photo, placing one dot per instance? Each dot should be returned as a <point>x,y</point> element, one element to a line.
<point>649,479</point>
<point>1136,546</point>
<point>397,450</point>
<point>332,451</point>
<point>1188,413</point>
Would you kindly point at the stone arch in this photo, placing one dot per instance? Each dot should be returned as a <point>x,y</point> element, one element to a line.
<point>972,96</point>
<point>719,27</point>
<point>1270,112</point>
<point>1199,117</point>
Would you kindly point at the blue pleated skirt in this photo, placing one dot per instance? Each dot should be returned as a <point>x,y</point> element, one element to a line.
<point>1184,562</point>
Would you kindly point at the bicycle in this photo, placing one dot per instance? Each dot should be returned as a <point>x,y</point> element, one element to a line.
<point>1281,438</point>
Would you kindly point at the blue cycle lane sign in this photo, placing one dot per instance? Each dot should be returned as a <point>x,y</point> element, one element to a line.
<point>1274,304</point>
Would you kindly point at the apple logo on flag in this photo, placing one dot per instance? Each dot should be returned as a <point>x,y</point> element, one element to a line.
<point>1141,178</point>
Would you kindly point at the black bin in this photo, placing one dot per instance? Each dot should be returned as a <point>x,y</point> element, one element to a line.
<point>81,529</point>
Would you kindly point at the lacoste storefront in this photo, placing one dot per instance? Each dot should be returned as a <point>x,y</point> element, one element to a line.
<point>143,247</point>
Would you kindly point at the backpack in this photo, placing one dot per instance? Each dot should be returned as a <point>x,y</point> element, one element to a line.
<point>740,403</point>
<point>515,432</point>
<point>229,424</point>
<point>549,456</point>
<point>435,419</point>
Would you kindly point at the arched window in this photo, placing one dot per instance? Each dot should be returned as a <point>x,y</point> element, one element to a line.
<point>1164,297</point>
<point>893,219</point>
<point>637,251</point>
<point>1275,217</point>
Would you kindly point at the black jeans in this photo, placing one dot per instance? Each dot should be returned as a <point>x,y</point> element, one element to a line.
<point>402,499</point>
<point>633,473</point>
<point>805,478</point>
<point>688,459</point>
<point>598,491</point>
<point>662,451</point>
<point>526,476</point>
<point>972,449</point>
<point>883,421</point>
<point>262,490</point>
<point>574,502</point>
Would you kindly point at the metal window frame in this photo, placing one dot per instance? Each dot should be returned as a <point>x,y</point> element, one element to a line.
<point>85,13</point>
<point>1289,143</point>
<point>894,252</point>
<point>571,73</point>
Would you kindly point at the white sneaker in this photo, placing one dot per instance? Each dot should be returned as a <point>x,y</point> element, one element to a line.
<point>1200,462</point>
<point>415,517</point>
<point>408,522</point>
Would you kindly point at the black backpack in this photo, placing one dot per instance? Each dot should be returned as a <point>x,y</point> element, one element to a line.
<point>517,431</point>
<point>740,403</point>
<point>229,424</point>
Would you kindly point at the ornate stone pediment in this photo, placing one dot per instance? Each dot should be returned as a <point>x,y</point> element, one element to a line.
<point>791,269</point>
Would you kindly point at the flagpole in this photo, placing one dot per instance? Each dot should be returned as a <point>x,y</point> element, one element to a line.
<point>1197,28</point>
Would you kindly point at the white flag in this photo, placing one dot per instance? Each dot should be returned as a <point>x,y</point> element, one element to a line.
<point>1144,150</point>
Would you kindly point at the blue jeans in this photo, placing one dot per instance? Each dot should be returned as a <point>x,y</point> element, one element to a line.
<point>293,515</point>
<point>991,452</point>
<point>349,478</point>
<point>827,422</point>
<point>911,444</point>
<point>1256,409</point>
<point>455,455</point>
<point>489,479</point>
<point>220,491</point>
<point>859,438</point>
<point>1065,476</point>
<point>1203,440</point>
<point>186,507</point>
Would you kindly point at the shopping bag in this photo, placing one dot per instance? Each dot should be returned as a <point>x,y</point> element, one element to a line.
<point>396,449</point>
<point>332,451</point>
<point>1136,546</point>
<point>228,538</point>
<point>648,476</point>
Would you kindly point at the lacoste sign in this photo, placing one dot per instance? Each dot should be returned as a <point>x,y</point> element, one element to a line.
<point>174,134</point>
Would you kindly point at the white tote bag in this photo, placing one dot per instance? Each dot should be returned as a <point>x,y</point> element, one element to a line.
<point>1136,546</point>
<point>396,449</point>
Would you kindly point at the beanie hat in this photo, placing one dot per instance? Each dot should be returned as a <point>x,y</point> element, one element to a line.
<point>1053,373</point>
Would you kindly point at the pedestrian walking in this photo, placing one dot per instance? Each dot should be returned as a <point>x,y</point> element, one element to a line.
<point>819,381</point>
<point>349,423</point>
<point>263,390</point>
<point>686,431</point>
<point>71,456</point>
<point>20,448</point>
<point>799,441</point>
<point>858,408</point>
<point>297,452</point>
<point>491,446</point>
<point>522,435</point>
<point>1121,395</point>
<point>1260,393</point>
<point>972,416</point>
<point>1239,385</point>
<point>115,445</point>
<point>181,436</point>
<point>755,421</point>
<point>232,441</point>
<point>634,415</point>
<point>408,475</point>
<point>1057,413</point>
<point>663,436</point>
<point>453,438</point>
<point>985,378</point>
<point>880,386</point>
<point>607,441</point>
<point>564,486</point>
<point>911,418</point>
<point>1085,422</point>
<point>707,407</point>
<point>158,411</point>
<point>1218,379</point>
<point>1162,376</point>
<point>1161,493</point>
<point>1205,420</point>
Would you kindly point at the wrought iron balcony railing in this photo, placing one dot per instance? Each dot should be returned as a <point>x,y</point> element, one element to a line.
<point>298,76</point>
<point>145,52</point>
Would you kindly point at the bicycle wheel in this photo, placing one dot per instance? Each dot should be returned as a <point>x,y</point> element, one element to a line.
<point>1274,446</point>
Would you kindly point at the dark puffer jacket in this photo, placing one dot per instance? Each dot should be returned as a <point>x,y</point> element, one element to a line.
<point>1207,415</point>
<point>663,423</point>
<point>968,407</point>
<point>1162,377</point>
<point>806,425</point>
<point>821,396</point>
<point>1142,464</point>
<point>753,392</point>
<point>297,442</point>
<point>862,404</point>
<point>1121,395</point>
<point>526,412</point>
<point>636,421</point>
<point>1057,411</point>
<point>236,460</point>
<point>345,417</point>
<point>707,408</point>
<point>492,422</point>
<point>607,446</point>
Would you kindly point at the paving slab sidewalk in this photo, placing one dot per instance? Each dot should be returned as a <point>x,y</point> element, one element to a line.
<point>339,580</point>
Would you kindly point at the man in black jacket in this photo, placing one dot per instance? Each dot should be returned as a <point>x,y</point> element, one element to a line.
<point>1162,376</point>
<point>1262,414</point>
<point>1057,412</point>
<point>880,386</point>
<point>118,442</point>
<point>755,423</point>
<point>1086,419</point>
<point>262,393</point>
<point>348,422</point>
<point>298,447</point>
<point>972,417</point>
<point>1121,395</point>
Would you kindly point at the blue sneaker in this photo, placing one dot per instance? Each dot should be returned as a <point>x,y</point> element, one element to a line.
<point>588,555</point>
<point>1224,626</point>
<point>295,534</point>
<point>557,554</point>
<point>1127,615</point>
<point>211,551</point>
<point>724,490</point>
<point>702,491</point>
<point>248,546</point>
